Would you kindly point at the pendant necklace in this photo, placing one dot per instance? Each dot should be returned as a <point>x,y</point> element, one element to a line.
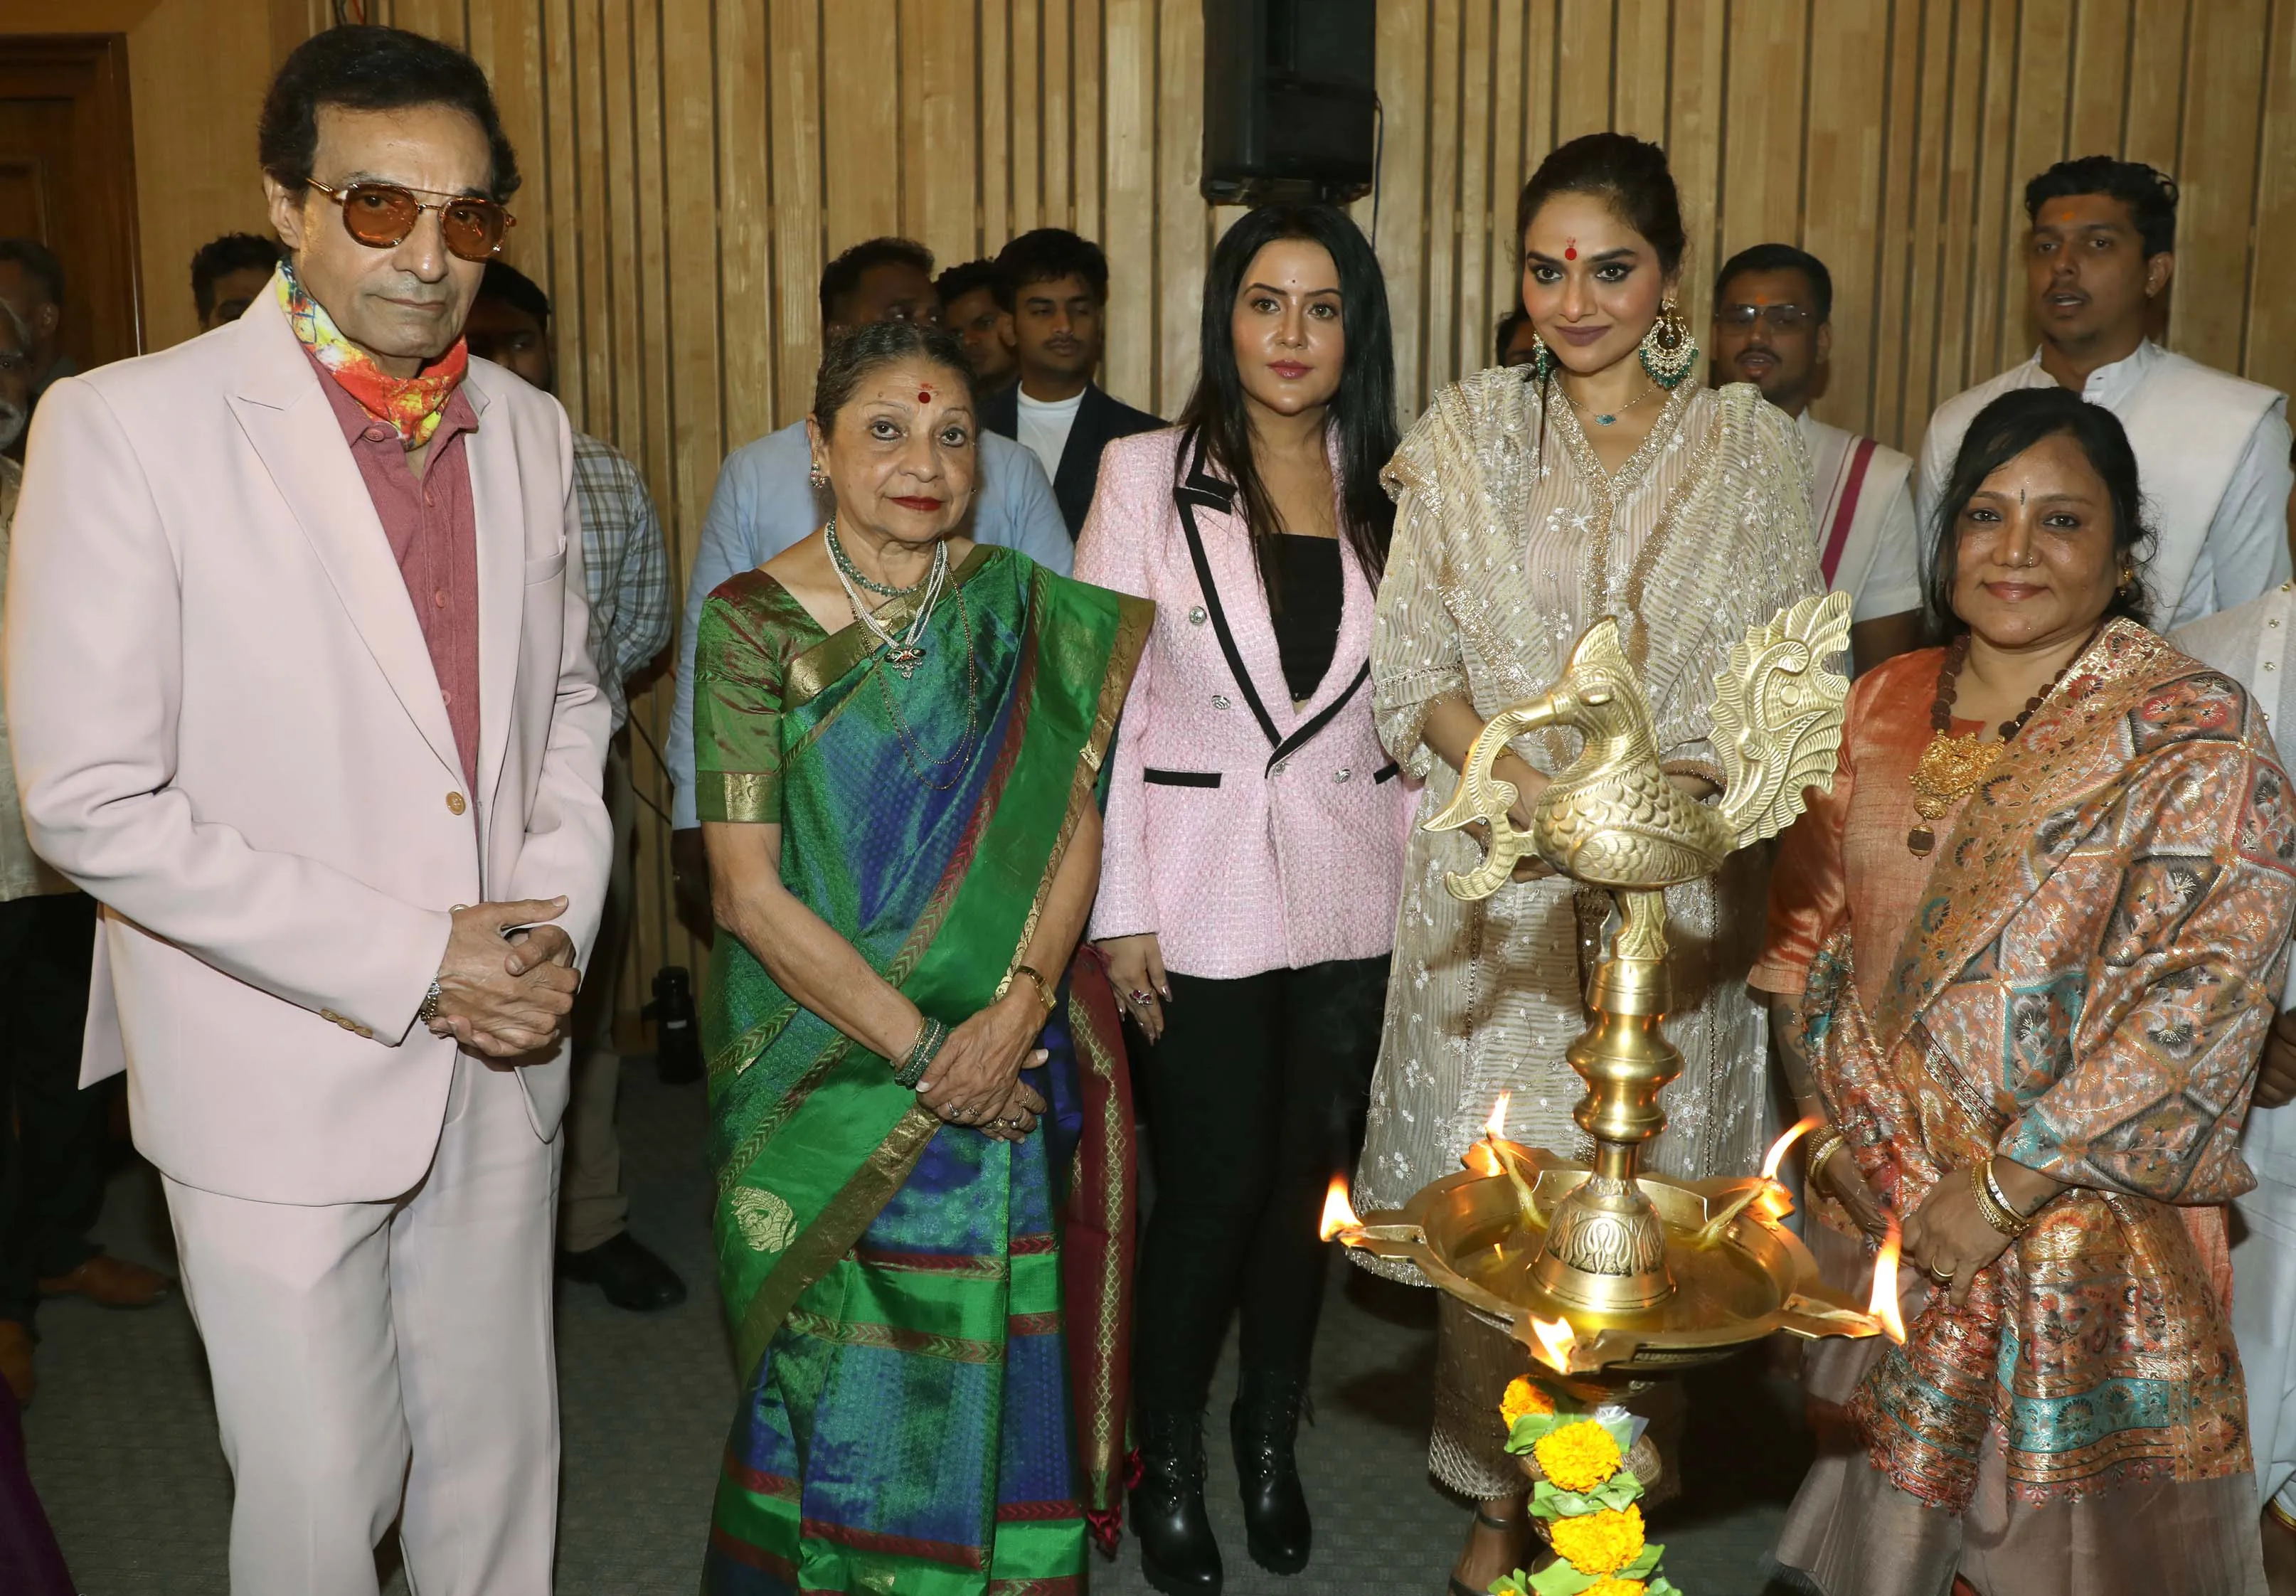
<point>904,651</point>
<point>1953,767</point>
<point>1610,418</point>
<point>912,748</point>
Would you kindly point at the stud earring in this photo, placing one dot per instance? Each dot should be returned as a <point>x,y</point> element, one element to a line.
<point>1669,352</point>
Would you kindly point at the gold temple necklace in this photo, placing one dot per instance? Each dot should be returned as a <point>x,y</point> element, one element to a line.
<point>1952,767</point>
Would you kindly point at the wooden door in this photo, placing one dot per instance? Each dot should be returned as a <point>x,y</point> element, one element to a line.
<point>67,179</point>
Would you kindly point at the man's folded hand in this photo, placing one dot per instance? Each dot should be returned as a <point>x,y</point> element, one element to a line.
<point>508,980</point>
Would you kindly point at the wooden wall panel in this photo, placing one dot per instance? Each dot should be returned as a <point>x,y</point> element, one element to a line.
<point>691,164</point>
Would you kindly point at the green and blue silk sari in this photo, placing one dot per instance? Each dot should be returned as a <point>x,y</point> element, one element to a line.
<point>929,1324</point>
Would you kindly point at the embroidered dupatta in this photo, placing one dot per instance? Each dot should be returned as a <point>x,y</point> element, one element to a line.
<point>2084,989</point>
<point>929,1324</point>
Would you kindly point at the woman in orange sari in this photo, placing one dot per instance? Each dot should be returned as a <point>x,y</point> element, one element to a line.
<point>2023,956</point>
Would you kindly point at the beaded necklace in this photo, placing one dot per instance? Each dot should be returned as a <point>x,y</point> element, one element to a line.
<point>906,650</point>
<point>1952,767</point>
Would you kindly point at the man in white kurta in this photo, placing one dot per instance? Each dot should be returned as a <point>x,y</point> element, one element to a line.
<point>2212,448</point>
<point>2251,645</point>
<point>1773,313</point>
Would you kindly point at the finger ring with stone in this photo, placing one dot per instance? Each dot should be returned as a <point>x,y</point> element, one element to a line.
<point>1140,998</point>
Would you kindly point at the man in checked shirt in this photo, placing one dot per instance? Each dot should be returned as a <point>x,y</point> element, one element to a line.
<point>628,575</point>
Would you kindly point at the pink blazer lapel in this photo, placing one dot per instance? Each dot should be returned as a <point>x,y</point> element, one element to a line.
<point>293,431</point>
<point>492,452</point>
<point>1219,547</point>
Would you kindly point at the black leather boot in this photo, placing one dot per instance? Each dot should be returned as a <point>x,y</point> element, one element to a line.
<point>1178,1552</point>
<point>1263,1424</point>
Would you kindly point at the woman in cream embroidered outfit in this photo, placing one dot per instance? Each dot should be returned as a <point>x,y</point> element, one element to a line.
<point>1603,479</point>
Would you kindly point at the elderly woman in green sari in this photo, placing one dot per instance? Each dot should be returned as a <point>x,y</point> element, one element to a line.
<point>919,1120</point>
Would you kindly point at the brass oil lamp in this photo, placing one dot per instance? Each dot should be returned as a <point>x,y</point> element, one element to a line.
<point>1605,1270</point>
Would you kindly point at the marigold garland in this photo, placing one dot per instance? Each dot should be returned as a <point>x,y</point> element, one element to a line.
<point>1585,1494</point>
<point>1522,1396</point>
<point>1577,1457</point>
<point>1599,1543</point>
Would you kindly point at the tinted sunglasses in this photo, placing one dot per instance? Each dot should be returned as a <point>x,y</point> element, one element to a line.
<point>380,216</point>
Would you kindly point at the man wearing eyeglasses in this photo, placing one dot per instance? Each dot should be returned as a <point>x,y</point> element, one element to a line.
<point>299,690</point>
<point>1773,309</point>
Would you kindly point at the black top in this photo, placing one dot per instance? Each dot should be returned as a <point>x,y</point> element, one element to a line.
<point>1307,614</point>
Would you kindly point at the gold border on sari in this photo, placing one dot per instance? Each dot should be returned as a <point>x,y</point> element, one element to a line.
<point>828,660</point>
<point>832,1233</point>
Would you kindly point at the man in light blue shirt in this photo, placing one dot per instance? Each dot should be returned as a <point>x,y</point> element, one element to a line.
<point>764,502</point>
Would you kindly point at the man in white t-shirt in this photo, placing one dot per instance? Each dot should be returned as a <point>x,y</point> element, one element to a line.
<point>1054,290</point>
<point>2212,448</point>
<point>1773,309</point>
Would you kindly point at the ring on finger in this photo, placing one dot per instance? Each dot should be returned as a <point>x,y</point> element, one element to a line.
<point>1138,997</point>
<point>1943,1277</point>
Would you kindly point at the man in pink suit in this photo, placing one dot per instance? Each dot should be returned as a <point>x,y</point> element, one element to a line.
<point>296,671</point>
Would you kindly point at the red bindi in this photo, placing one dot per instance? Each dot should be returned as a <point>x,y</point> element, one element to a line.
<point>924,396</point>
<point>1570,250</point>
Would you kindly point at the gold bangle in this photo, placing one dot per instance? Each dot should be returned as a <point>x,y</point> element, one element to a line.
<point>1824,1143</point>
<point>2280,1515</point>
<point>2003,1219</point>
<point>1993,1188</point>
<point>1044,989</point>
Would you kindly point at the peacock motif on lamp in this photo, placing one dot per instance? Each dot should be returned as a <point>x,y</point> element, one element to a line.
<point>1613,819</point>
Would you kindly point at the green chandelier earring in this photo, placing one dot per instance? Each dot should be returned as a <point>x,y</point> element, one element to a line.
<point>1669,352</point>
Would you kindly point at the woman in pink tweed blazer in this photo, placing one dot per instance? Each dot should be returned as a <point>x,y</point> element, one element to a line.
<point>1253,852</point>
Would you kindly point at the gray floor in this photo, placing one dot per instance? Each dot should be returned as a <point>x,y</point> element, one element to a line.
<point>124,1452</point>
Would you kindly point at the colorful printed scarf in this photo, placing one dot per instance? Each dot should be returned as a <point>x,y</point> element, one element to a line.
<point>411,404</point>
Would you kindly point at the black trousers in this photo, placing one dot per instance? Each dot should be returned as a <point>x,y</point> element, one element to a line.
<point>1255,1098</point>
<point>52,1134</point>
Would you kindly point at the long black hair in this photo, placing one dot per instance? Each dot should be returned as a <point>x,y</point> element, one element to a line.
<point>1630,176</point>
<point>1362,410</point>
<point>2003,430</point>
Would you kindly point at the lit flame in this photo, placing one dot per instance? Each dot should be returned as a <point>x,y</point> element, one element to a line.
<point>1483,1159</point>
<point>1495,1126</point>
<point>1801,1128</point>
<point>1555,1341</point>
<point>1883,1303</point>
<point>1776,1201</point>
<point>1339,1213</point>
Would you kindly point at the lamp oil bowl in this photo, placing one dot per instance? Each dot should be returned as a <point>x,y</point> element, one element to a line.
<point>1731,1282</point>
<point>1605,1267</point>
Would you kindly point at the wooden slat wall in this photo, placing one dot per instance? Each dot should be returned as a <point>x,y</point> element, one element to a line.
<point>691,163</point>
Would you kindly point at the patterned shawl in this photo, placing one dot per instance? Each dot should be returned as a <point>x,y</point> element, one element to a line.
<point>2084,990</point>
